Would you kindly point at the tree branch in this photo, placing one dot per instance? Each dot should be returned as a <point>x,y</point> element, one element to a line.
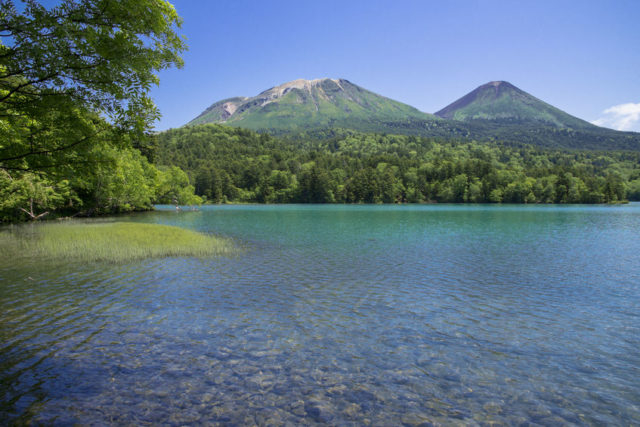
<point>36,153</point>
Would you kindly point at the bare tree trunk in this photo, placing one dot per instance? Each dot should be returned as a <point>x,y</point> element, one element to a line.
<point>30,212</point>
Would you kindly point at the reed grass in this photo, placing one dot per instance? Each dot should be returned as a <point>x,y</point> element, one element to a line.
<point>111,242</point>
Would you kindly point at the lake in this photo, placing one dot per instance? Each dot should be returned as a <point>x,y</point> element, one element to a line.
<point>342,315</point>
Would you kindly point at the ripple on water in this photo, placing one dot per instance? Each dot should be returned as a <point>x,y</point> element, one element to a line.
<point>379,316</point>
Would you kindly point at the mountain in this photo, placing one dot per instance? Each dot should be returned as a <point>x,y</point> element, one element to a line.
<point>499,111</point>
<point>305,105</point>
<point>496,112</point>
<point>502,101</point>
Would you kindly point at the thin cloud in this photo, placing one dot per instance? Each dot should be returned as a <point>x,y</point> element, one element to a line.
<point>621,117</point>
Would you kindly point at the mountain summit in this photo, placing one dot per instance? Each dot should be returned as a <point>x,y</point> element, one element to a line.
<point>503,102</point>
<point>313,104</point>
<point>496,111</point>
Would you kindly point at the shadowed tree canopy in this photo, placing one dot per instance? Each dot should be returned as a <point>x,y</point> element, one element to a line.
<point>79,71</point>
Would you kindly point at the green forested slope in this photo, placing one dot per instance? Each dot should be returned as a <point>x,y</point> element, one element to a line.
<point>231,164</point>
<point>502,112</point>
<point>502,101</point>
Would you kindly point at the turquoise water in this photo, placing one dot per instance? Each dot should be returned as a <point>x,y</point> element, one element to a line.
<point>342,315</point>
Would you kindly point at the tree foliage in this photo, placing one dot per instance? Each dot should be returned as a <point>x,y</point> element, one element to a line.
<point>102,54</point>
<point>74,103</point>
<point>230,164</point>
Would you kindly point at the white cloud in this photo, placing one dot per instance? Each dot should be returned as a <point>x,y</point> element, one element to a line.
<point>621,117</point>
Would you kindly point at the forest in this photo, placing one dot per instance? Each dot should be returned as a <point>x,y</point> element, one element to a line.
<point>76,139</point>
<point>342,166</point>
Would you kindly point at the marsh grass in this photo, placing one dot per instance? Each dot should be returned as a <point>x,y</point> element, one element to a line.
<point>110,242</point>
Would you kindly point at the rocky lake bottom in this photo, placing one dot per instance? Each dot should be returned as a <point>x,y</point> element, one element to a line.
<point>340,315</point>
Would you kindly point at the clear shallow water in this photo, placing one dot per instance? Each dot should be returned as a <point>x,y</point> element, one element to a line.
<point>346,315</point>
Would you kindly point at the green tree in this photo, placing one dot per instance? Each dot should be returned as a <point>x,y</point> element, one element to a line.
<point>314,186</point>
<point>74,83</point>
<point>172,187</point>
<point>58,63</point>
<point>32,196</point>
<point>633,190</point>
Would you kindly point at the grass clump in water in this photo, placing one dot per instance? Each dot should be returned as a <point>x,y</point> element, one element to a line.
<point>111,242</point>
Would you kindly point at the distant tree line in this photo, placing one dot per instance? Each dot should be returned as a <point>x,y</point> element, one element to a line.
<point>340,166</point>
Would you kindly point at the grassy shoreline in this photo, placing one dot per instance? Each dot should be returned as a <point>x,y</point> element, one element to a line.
<point>110,242</point>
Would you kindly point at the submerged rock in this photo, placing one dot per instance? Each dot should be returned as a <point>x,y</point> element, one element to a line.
<point>417,420</point>
<point>319,411</point>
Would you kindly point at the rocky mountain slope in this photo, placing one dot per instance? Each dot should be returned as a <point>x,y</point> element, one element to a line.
<point>303,105</point>
<point>496,111</point>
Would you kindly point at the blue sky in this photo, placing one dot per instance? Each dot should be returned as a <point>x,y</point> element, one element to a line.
<point>580,56</point>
